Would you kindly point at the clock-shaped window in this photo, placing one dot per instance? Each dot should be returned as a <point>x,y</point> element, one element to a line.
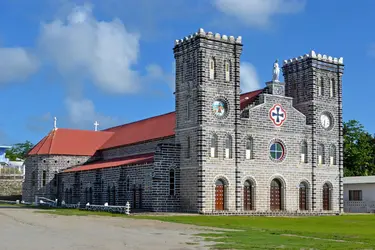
<point>326,120</point>
<point>277,151</point>
<point>220,108</point>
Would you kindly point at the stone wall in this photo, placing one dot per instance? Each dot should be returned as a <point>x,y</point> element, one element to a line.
<point>10,187</point>
<point>35,166</point>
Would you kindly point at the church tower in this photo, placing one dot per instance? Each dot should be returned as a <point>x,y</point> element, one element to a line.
<point>315,83</point>
<point>207,115</point>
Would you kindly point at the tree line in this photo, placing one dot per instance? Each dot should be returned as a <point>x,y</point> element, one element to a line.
<point>359,150</point>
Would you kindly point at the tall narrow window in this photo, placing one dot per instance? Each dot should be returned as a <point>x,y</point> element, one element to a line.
<point>44,178</point>
<point>227,71</point>
<point>332,88</point>
<point>249,148</point>
<point>320,154</point>
<point>33,178</point>
<point>320,87</point>
<point>213,146</point>
<point>127,183</point>
<point>171,182</point>
<point>55,179</point>
<point>332,155</point>
<point>212,68</point>
<point>188,107</point>
<point>109,195</point>
<point>188,147</point>
<point>304,152</point>
<point>228,147</point>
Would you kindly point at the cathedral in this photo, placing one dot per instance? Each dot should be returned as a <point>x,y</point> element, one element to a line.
<point>276,150</point>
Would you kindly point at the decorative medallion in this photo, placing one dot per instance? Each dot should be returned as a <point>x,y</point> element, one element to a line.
<point>277,115</point>
<point>326,120</point>
<point>219,108</point>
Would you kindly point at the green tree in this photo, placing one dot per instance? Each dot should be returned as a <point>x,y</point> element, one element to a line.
<point>19,150</point>
<point>359,150</point>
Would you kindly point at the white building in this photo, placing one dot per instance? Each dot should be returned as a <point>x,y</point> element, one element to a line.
<point>359,194</point>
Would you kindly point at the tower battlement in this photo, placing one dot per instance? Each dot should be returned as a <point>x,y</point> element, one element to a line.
<point>209,35</point>
<point>320,57</point>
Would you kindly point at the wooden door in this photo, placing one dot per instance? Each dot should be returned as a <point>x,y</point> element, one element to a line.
<point>275,195</point>
<point>219,195</point>
<point>247,196</point>
<point>326,197</point>
<point>302,196</point>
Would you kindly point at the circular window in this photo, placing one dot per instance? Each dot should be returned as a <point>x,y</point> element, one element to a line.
<point>277,151</point>
<point>219,108</point>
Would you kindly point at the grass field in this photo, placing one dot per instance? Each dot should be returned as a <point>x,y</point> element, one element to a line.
<point>327,232</point>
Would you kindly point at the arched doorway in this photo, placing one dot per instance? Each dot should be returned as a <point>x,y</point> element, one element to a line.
<point>326,197</point>
<point>219,195</point>
<point>302,196</point>
<point>247,196</point>
<point>275,195</point>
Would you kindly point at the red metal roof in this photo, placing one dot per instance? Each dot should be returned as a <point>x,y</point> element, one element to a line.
<point>71,142</point>
<point>249,97</point>
<point>144,130</point>
<point>124,161</point>
<point>85,142</point>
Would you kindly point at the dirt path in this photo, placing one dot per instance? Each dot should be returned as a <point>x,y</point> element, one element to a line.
<point>24,229</point>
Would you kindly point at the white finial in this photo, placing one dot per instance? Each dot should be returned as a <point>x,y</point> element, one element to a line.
<point>55,123</point>
<point>341,60</point>
<point>239,39</point>
<point>313,54</point>
<point>96,124</point>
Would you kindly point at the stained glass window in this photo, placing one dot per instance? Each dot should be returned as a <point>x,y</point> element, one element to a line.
<point>277,151</point>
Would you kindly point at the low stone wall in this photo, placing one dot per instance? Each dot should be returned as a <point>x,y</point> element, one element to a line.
<point>101,208</point>
<point>10,187</point>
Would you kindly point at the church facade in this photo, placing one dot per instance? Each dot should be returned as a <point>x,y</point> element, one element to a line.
<point>274,150</point>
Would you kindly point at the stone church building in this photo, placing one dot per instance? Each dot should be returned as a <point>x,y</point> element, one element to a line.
<point>274,150</point>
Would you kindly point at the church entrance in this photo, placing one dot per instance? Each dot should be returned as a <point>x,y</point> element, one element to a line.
<point>247,196</point>
<point>137,197</point>
<point>302,196</point>
<point>275,195</point>
<point>326,197</point>
<point>219,195</point>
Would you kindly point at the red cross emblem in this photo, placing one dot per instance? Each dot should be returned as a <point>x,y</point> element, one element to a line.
<point>277,115</point>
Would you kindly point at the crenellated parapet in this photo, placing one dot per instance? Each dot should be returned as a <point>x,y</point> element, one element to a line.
<point>320,57</point>
<point>209,35</point>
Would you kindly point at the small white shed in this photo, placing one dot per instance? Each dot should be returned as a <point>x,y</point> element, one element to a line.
<point>359,194</point>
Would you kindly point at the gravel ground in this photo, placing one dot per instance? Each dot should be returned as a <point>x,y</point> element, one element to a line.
<point>23,229</point>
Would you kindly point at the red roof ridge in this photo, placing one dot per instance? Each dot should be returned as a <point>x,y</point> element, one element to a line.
<point>145,119</point>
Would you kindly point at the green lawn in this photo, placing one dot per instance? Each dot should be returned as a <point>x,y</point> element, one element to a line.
<point>327,232</point>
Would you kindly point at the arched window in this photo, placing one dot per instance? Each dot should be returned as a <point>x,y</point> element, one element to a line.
<point>332,88</point>
<point>171,182</point>
<point>109,195</point>
<point>113,197</point>
<point>332,155</point>
<point>90,195</point>
<point>303,196</point>
<point>212,68</point>
<point>228,147</point>
<point>320,154</point>
<point>304,152</point>
<point>188,147</point>
<point>320,87</point>
<point>214,146</point>
<point>55,179</point>
<point>86,195</point>
<point>227,71</point>
<point>249,148</point>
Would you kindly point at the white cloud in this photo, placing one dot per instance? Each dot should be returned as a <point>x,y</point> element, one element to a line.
<point>82,114</point>
<point>156,73</point>
<point>249,77</point>
<point>83,47</point>
<point>16,64</point>
<point>258,12</point>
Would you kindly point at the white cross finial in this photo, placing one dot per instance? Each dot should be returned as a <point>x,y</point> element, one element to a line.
<point>96,124</point>
<point>55,122</point>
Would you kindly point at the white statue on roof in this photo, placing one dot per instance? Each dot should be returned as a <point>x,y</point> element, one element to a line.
<point>276,71</point>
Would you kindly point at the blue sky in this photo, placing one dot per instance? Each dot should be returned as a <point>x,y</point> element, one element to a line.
<point>112,60</point>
